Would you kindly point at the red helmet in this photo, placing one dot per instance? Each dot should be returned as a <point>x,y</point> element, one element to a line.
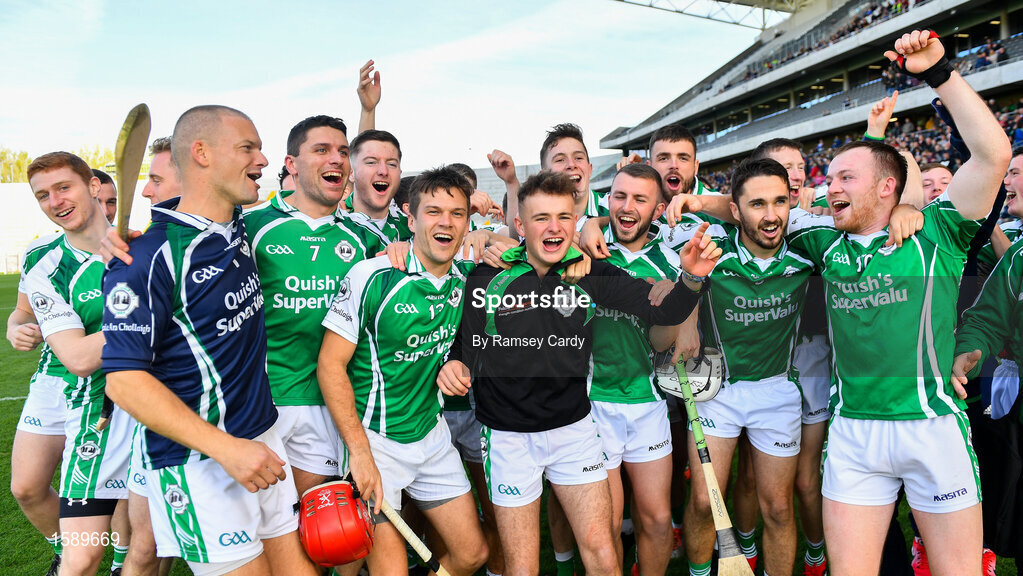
<point>334,525</point>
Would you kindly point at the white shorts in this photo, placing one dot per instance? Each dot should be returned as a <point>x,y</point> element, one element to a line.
<point>311,440</point>
<point>632,432</point>
<point>517,461</point>
<point>429,470</point>
<point>812,359</point>
<point>201,514</point>
<point>768,409</point>
<point>465,434</point>
<point>866,461</point>
<point>136,471</point>
<point>45,408</point>
<point>95,464</point>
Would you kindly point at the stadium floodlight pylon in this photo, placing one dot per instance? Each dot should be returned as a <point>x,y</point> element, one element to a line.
<point>755,14</point>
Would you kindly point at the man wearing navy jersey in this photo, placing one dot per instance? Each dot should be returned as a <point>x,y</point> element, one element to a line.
<point>186,355</point>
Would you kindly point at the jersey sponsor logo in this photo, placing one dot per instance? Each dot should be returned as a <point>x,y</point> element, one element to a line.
<point>345,251</point>
<point>593,468</point>
<point>207,273</point>
<point>32,421</point>
<point>233,301</point>
<point>234,538</point>
<point>87,450</point>
<point>786,444</point>
<point>438,341</point>
<point>278,249</point>
<point>658,446</point>
<point>405,308</point>
<point>313,283</point>
<point>508,490</point>
<point>90,295</point>
<point>176,498</point>
<point>138,478</point>
<point>122,301</point>
<point>950,495</point>
<point>114,484</point>
<point>777,306</point>
<point>616,315</point>
<point>41,303</point>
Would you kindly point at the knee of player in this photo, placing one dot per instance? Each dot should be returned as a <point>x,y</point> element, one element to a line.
<point>778,511</point>
<point>474,557</point>
<point>699,502</point>
<point>27,492</point>
<point>808,484</point>
<point>654,521</point>
<point>81,561</point>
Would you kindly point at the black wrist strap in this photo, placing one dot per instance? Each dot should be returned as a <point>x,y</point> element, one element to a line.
<point>935,75</point>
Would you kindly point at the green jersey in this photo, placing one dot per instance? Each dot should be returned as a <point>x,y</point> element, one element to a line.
<point>64,286</point>
<point>302,262</point>
<point>751,312</point>
<point>49,364</point>
<point>391,228</point>
<point>891,312</point>
<point>402,324</point>
<point>986,256</point>
<point>996,318</point>
<point>621,365</point>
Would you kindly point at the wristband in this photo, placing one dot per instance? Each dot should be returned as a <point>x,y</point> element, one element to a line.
<point>934,76</point>
<point>872,138</point>
<point>685,274</point>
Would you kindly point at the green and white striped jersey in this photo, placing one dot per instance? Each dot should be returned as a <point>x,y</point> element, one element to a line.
<point>64,286</point>
<point>621,364</point>
<point>302,262</point>
<point>49,364</point>
<point>891,312</point>
<point>403,324</point>
<point>751,312</point>
<point>392,228</point>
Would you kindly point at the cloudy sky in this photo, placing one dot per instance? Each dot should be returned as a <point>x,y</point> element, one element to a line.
<point>459,78</point>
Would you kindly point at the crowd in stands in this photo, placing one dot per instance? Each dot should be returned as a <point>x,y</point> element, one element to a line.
<point>927,138</point>
<point>873,14</point>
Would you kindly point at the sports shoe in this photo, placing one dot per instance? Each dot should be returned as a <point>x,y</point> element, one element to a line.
<point>815,569</point>
<point>920,565</point>
<point>676,548</point>
<point>115,572</point>
<point>54,566</point>
<point>987,562</point>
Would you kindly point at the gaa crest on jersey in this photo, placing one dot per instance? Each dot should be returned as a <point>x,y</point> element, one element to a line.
<point>345,251</point>
<point>344,292</point>
<point>122,301</point>
<point>790,270</point>
<point>886,250</point>
<point>87,450</point>
<point>456,297</point>
<point>41,303</point>
<point>176,498</point>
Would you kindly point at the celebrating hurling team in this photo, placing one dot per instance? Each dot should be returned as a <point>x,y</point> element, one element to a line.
<point>357,338</point>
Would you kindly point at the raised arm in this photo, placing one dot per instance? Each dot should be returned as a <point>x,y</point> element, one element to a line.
<point>504,167</point>
<point>369,96</point>
<point>975,184</point>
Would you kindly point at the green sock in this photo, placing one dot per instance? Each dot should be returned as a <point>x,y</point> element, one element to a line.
<point>700,569</point>
<point>676,516</point>
<point>814,553</point>
<point>748,542</point>
<point>55,543</point>
<point>565,563</point>
<point>119,553</point>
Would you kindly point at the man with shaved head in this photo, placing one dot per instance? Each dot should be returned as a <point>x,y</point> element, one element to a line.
<point>220,496</point>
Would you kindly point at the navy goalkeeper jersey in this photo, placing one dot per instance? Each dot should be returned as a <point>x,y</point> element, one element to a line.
<point>189,310</point>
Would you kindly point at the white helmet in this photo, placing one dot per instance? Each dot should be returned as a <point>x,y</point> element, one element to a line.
<point>702,372</point>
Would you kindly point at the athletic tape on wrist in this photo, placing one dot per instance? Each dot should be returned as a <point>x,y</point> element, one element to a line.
<point>934,76</point>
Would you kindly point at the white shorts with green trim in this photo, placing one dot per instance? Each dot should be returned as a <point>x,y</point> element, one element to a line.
<point>45,409</point>
<point>95,464</point>
<point>768,409</point>
<point>202,514</point>
<point>136,471</point>
<point>311,440</point>
<point>465,434</point>
<point>516,462</point>
<point>812,359</point>
<point>632,432</point>
<point>866,461</point>
<point>429,470</point>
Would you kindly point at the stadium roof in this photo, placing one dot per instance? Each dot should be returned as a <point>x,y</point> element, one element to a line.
<point>755,14</point>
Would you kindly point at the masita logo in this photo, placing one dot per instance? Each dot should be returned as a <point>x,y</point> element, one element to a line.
<point>122,301</point>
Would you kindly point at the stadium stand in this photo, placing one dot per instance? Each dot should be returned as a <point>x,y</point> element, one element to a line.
<point>816,75</point>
